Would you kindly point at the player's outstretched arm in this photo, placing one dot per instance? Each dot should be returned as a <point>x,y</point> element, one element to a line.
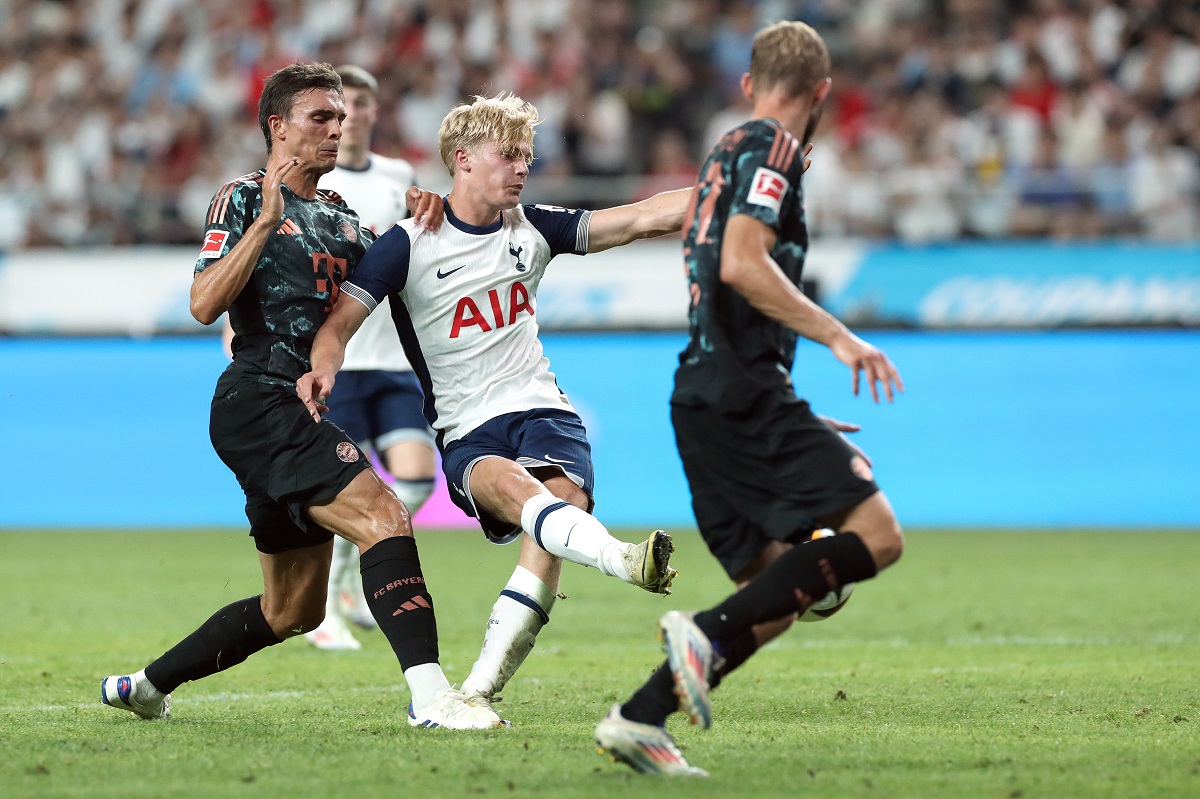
<point>747,268</point>
<point>215,289</point>
<point>329,352</point>
<point>655,216</point>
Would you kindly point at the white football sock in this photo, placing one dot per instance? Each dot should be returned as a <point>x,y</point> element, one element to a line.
<point>424,681</point>
<point>572,534</point>
<point>519,614</point>
<point>343,570</point>
<point>145,691</point>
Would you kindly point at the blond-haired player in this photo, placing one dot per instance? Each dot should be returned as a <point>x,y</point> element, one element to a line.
<point>464,300</point>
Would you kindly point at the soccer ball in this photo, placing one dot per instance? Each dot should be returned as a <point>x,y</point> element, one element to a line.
<point>832,602</point>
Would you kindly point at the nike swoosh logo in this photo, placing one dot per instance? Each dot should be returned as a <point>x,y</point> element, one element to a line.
<point>556,460</point>
<point>442,274</point>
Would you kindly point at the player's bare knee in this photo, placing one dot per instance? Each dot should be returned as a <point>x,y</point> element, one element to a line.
<point>885,543</point>
<point>289,618</point>
<point>382,515</point>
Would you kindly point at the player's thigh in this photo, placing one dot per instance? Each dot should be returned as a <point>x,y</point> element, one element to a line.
<point>731,536</point>
<point>876,524</point>
<point>500,487</point>
<point>365,512</point>
<point>489,470</point>
<point>726,502</point>
<point>274,529</point>
<point>294,586</point>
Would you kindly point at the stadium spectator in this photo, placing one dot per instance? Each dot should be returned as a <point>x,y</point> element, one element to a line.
<point>266,233</point>
<point>1164,182</point>
<point>617,70</point>
<point>1051,194</point>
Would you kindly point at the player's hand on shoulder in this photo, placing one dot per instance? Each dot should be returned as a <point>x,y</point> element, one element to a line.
<point>313,390</point>
<point>807,161</point>
<point>869,363</point>
<point>427,208</point>
<point>272,195</point>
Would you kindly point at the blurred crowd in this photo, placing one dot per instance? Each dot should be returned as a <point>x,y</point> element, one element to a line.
<point>948,118</point>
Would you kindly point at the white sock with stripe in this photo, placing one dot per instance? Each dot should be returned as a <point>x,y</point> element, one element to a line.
<point>519,614</point>
<point>572,534</point>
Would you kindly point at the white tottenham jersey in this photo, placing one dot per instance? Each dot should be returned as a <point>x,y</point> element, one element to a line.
<point>467,309</point>
<point>376,194</point>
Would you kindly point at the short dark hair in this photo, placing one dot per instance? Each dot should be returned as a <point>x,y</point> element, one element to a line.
<point>356,77</point>
<point>281,89</point>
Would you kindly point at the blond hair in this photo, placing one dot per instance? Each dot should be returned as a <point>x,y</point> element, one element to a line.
<point>505,119</point>
<point>790,56</point>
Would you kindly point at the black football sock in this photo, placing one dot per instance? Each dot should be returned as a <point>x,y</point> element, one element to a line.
<point>399,601</point>
<point>798,578</point>
<point>656,699</point>
<point>232,634</point>
<point>731,654</point>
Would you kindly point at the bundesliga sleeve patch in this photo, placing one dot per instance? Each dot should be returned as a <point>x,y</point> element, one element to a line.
<point>214,243</point>
<point>767,189</point>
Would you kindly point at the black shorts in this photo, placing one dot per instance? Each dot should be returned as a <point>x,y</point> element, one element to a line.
<point>283,460</point>
<point>767,474</point>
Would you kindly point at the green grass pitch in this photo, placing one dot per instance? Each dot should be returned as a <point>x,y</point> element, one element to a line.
<point>984,664</point>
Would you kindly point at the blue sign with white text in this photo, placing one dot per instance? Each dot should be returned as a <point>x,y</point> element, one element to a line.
<point>1023,285</point>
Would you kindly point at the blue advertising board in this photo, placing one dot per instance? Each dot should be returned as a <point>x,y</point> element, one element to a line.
<point>1045,429</point>
<point>1022,285</point>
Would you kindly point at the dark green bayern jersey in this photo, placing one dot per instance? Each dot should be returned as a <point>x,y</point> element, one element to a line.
<point>295,281</point>
<point>736,354</point>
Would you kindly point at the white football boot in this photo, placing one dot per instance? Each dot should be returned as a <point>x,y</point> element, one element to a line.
<point>690,656</point>
<point>333,635</point>
<point>133,692</point>
<point>449,710</point>
<point>647,563</point>
<point>355,609</point>
<point>642,747</point>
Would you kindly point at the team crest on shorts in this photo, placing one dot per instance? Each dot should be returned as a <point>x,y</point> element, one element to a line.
<point>348,231</point>
<point>347,452</point>
<point>858,465</point>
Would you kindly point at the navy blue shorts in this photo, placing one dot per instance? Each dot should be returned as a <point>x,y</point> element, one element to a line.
<point>378,409</point>
<point>542,437</point>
